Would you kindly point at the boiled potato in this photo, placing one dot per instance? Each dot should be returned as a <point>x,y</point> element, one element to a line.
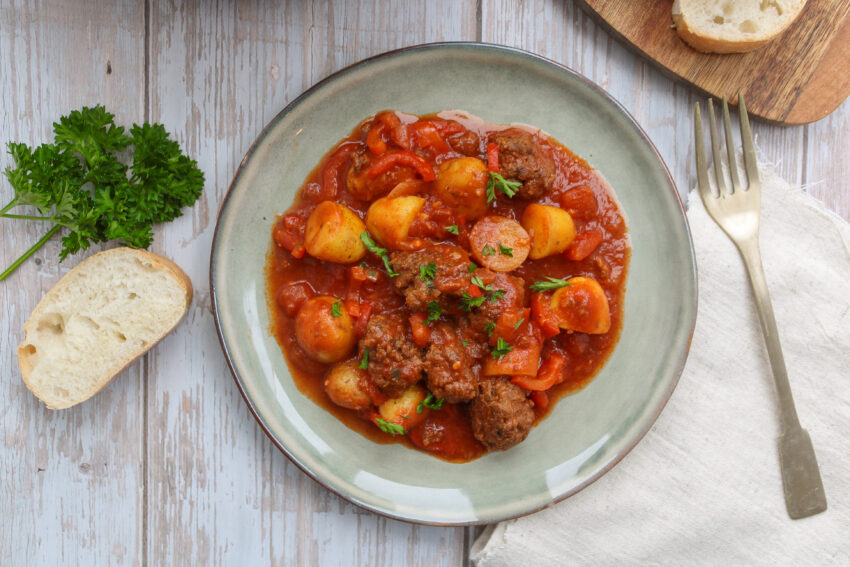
<point>324,336</point>
<point>581,306</point>
<point>462,185</point>
<point>389,219</point>
<point>342,385</point>
<point>402,410</point>
<point>333,234</point>
<point>499,243</point>
<point>551,229</point>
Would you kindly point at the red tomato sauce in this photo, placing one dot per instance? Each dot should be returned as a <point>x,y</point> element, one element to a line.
<point>292,276</point>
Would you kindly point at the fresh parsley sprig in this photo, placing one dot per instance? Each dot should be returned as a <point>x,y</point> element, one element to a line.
<point>381,253</point>
<point>548,284</point>
<point>452,229</point>
<point>502,348</point>
<point>427,271</point>
<point>498,183</point>
<point>434,312</point>
<point>80,184</point>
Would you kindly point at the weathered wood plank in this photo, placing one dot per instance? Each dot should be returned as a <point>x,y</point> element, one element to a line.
<point>827,171</point>
<point>72,480</point>
<point>219,491</point>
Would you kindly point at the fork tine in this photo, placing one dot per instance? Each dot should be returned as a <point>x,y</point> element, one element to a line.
<point>730,148</point>
<point>747,142</point>
<point>715,150</point>
<point>702,171</point>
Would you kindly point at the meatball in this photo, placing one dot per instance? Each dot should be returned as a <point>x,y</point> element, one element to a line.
<point>501,415</point>
<point>467,143</point>
<point>450,278</point>
<point>395,362</point>
<point>523,159</point>
<point>511,298</point>
<point>448,366</point>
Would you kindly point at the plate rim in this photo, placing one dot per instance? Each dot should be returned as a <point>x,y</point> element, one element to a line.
<point>473,45</point>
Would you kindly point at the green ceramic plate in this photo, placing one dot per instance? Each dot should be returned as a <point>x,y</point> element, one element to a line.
<point>587,433</point>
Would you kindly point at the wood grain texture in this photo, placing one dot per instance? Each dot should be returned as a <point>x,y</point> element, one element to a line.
<point>71,481</point>
<point>219,491</point>
<point>798,78</point>
<point>166,466</point>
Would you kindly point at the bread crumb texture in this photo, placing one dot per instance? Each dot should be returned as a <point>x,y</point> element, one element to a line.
<point>96,320</point>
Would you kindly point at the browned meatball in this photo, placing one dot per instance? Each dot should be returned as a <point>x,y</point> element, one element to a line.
<point>395,362</point>
<point>523,159</point>
<point>468,143</point>
<point>448,366</point>
<point>501,415</point>
<point>450,278</point>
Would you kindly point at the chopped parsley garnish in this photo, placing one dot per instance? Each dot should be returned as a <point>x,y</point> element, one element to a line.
<point>490,327</point>
<point>389,427</point>
<point>476,280</point>
<point>434,312</point>
<point>498,294</point>
<point>505,187</point>
<point>518,323</point>
<point>364,362</point>
<point>427,272</point>
<point>467,302</point>
<point>505,251</point>
<point>452,229</point>
<point>552,283</point>
<point>465,342</point>
<point>379,252</point>
<point>502,348</point>
<point>335,308</point>
<point>430,402</point>
<point>488,250</point>
<point>472,268</point>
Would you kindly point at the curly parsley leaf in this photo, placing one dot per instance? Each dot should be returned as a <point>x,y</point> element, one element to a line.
<point>381,253</point>
<point>488,250</point>
<point>490,327</point>
<point>502,348</point>
<point>498,183</point>
<point>80,182</point>
<point>389,427</point>
<point>505,251</point>
<point>336,310</point>
<point>431,402</point>
<point>467,302</point>
<point>452,229</point>
<point>434,312</point>
<point>427,271</point>
<point>548,284</point>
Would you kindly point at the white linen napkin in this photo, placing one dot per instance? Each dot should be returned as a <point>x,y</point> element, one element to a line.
<point>704,486</point>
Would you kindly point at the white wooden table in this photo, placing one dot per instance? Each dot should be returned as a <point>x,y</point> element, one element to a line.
<point>166,466</point>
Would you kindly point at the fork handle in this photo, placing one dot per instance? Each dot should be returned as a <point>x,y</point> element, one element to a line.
<point>752,259</point>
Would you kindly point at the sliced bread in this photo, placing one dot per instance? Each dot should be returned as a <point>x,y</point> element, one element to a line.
<point>733,26</point>
<point>101,316</point>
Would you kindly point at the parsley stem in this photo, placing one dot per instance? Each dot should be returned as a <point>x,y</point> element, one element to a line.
<point>11,204</point>
<point>26,217</point>
<point>29,252</point>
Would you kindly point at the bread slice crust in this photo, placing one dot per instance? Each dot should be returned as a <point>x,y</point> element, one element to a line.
<point>725,38</point>
<point>97,320</point>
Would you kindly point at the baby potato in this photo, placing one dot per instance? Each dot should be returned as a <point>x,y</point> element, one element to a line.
<point>582,306</point>
<point>324,336</point>
<point>462,185</point>
<point>389,219</point>
<point>342,385</point>
<point>551,229</point>
<point>402,410</point>
<point>499,243</point>
<point>333,234</point>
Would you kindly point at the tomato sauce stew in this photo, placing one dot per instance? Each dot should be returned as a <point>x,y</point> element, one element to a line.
<point>441,281</point>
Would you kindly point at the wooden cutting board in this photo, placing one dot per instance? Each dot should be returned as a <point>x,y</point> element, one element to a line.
<point>797,78</point>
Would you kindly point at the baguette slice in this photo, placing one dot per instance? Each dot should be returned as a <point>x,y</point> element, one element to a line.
<point>100,317</point>
<point>733,26</point>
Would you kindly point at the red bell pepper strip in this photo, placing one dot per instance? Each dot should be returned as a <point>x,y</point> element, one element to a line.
<point>398,131</point>
<point>421,331</point>
<point>540,398</point>
<point>584,244</point>
<point>551,372</point>
<point>401,158</point>
<point>541,312</point>
<point>332,172</point>
<point>429,137</point>
<point>375,139</point>
<point>493,158</point>
<point>363,318</point>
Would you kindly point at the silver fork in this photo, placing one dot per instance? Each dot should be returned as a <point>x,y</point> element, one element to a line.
<point>737,213</point>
